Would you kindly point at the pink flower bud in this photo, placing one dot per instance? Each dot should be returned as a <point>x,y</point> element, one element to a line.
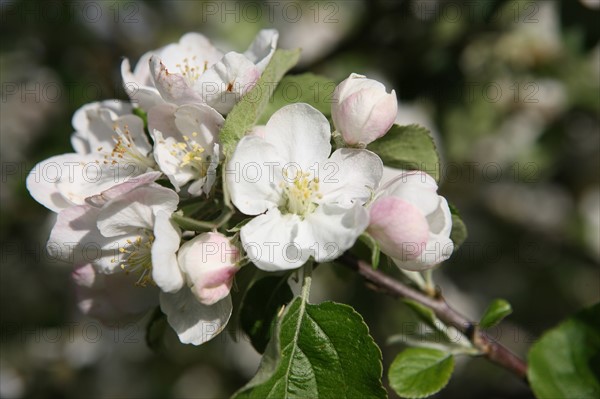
<point>400,227</point>
<point>362,110</point>
<point>412,222</point>
<point>209,262</point>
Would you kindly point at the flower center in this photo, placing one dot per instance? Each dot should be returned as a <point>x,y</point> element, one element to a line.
<point>301,194</point>
<point>190,154</point>
<point>191,71</point>
<point>137,257</point>
<point>125,151</point>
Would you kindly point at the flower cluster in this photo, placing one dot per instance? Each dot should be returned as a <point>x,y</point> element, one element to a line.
<point>151,212</point>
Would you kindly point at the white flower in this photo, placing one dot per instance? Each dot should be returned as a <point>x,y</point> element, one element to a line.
<point>186,144</point>
<point>115,231</point>
<point>362,110</point>
<point>194,71</point>
<point>195,285</point>
<point>307,203</point>
<point>110,147</point>
<point>411,222</point>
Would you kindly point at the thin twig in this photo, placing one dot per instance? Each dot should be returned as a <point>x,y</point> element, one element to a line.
<point>491,349</point>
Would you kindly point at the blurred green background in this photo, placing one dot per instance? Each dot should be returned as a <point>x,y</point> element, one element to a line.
<point>510,90</point>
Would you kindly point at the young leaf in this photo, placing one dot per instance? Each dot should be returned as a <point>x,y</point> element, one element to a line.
<point>320,351</point>
<point>408,147</point>
<point>424,313</point>
<point>245,113</point>
<point>459,234</point>
<point>305,88</point>
<point>420,372</point>
<point>261,304</point>
<point>495,312</point>
<point>374,247</point>
<point>565,362</point>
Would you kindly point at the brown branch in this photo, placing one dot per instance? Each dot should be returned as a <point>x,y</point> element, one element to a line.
<point>491,349</point>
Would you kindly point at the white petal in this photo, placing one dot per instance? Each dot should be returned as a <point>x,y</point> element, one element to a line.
<point>273,241</point>
<point>301,135</point>
<point>226,82</point>
<point>253,175</point>
<point>262,48</point>
<point>417,188</point>
<point>165,269</point>
<point>43,178</point>
<point>331,230</point>
<point>162,118</point>
<point>440,221</point>
<point>193,50</point>
<point>202,120</point>
<point>194,322</point>
<point>350,175</point>
<point>139,85</point>
<point>136,209</point>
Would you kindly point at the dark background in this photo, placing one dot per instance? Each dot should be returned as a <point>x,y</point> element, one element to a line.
<point>510,90</point>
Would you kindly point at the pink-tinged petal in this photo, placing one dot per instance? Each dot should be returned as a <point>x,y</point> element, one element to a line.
<point>100,199</point>
<point>173,87</point>
<point>194,322</point>
<point>400,228</point>
<point>209,262</point>
<point>162,118</point>
<point>362,110</point>
<point>111,299</point>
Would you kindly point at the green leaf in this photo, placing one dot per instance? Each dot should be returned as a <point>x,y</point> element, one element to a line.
<point>408,147</point>
<point>424,313</point>
<point>495,312</point>
<point>259,309</point>
<point>374,247</point>
<point>246,112</point>
<point>459,234</point>
<point>565,362</point>
<point>420,372</point>
<point>305,88</point>
<point>320,351</point>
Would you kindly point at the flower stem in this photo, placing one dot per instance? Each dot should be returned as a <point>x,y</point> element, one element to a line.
<point>492,350</point>
<point>307,280</point>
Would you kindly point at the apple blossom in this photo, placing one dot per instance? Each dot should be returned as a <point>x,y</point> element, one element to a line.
<point>194,71</point>
<point>110,147</point>
<point>362,110</point>
<point>186,144</point>
<point>117,236</point>
<point>411,222</point>
<point>306,202</point>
